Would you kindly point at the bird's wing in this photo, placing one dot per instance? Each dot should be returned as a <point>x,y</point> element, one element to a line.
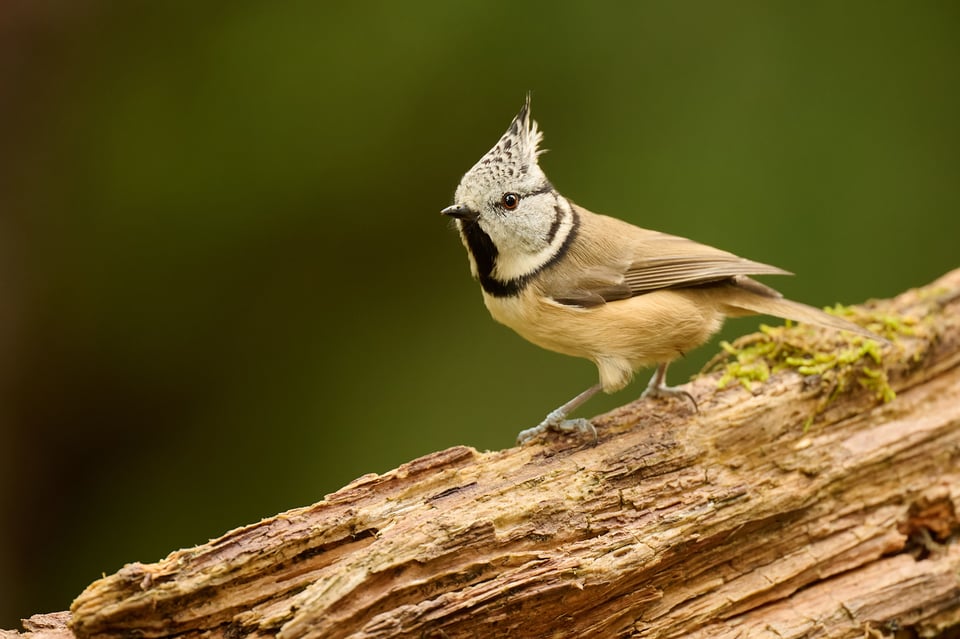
<point>591,286</point>
<point>667,261</point>
<point>619,260</point>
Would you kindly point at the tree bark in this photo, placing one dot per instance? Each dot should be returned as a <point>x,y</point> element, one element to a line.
<point>746,519</point>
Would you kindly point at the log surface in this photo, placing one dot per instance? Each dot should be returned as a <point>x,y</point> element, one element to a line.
<point>743,520</point>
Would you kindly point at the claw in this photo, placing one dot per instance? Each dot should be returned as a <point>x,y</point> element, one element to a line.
<point>580,425</point>
<point>557,420</point>
<point>658,388</point>
<point>669,391</point>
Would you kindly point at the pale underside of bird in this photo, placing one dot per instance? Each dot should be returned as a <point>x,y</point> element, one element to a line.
<point>596,287</point>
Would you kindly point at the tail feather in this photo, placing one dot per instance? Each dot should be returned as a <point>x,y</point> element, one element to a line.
<point>746,302</point>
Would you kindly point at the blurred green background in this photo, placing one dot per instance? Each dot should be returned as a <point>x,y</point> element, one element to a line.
<point>225,286</point>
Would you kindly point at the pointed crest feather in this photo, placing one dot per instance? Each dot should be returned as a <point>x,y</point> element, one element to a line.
<point>519,147</point>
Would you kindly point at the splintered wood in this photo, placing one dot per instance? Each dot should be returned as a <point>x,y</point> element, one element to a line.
<point>737,521</point>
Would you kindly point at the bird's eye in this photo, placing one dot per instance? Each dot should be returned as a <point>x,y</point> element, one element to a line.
<point>510,201</point>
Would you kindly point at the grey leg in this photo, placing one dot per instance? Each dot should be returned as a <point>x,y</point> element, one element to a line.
<point>658,388</point>
<point>557,419</point>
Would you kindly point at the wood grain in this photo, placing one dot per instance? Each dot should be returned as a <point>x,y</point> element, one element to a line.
<point>737,521</point>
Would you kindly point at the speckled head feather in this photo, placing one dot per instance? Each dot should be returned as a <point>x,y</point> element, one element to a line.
<point>518,149</point>
<point>512,160</point>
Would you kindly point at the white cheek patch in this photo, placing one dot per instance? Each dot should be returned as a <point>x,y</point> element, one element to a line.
<point>514,257</point>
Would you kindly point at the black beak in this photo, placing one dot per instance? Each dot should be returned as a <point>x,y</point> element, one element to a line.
<point>461,212</point>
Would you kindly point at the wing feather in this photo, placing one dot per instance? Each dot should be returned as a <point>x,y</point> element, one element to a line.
<point>693,269</point>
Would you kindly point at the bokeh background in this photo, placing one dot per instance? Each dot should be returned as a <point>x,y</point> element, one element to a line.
<point>225,286</point>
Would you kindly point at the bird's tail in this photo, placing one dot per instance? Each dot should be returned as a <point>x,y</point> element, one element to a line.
<point>747,299</point>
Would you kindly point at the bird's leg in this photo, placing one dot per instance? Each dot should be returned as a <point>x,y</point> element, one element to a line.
<point>658,388</point>
<point>557,419</point>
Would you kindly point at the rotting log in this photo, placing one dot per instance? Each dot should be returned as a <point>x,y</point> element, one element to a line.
<point>746,519</point>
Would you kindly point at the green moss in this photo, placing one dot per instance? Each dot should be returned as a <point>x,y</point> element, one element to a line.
<point>883,324</point>
<point>843,361</point>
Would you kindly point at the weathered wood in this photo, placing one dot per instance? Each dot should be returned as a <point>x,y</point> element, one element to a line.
<point>54,625</point>
<point>738,521</point>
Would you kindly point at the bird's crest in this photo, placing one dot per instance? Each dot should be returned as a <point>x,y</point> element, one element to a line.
<point>516,151</point>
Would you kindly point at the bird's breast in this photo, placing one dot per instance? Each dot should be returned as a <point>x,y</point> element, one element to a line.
<point>544,322</point>
<point>643,330</point>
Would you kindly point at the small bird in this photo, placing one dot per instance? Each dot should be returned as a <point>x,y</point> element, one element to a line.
<point>596,287</point>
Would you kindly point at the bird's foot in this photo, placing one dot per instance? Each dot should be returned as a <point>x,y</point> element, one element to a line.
<point>669,391</point>
<point>556,422</point>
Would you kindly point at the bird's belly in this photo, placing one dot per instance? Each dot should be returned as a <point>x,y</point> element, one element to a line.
<point>626,334</point>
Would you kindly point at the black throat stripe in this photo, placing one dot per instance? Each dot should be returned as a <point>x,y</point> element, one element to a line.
<point>485,253</point>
